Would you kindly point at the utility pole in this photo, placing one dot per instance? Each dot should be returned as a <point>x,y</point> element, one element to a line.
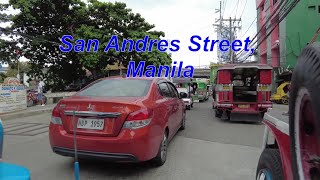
<point>232,29</point>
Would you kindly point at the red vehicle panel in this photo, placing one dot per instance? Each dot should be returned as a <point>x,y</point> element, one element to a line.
<point>265,76</point>
<point>283,144</point>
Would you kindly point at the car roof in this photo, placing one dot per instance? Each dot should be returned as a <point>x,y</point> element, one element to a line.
<point>137,78</point>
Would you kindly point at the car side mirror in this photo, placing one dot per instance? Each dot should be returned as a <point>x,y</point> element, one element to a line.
<point>183,95</point>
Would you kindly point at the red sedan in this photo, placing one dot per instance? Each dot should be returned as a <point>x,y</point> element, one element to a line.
<point>119,119</point>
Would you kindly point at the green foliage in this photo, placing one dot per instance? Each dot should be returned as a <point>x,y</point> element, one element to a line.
<point>2,77</point>
<point>41,23</point>
<point>24,67</point>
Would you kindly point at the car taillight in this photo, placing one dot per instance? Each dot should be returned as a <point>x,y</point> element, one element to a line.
<point>55,117</point>
<point>224,87</point>
<point>263,87</point>
<point>138,119</point>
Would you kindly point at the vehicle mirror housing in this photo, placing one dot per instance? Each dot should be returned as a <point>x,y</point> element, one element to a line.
<point>183,95</point>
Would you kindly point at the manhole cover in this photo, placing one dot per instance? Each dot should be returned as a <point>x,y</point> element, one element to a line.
<point>25,129</point>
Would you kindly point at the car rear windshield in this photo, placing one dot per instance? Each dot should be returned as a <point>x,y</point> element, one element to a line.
<point>117,88</point>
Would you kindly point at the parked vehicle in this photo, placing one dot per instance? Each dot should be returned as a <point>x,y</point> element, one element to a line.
<point>295,151</point>
<point>119,119</point>
<point>201,91</point>
<point>186,97</point>
<point>11,171</point>
<point>78,85</point>
<point>243,89</point>
<point>281,96</point>
<point>32,98</point>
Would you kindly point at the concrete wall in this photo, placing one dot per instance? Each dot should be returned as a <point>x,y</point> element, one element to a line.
<point>301,24</point>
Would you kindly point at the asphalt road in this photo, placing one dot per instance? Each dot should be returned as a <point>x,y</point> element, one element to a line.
<point>207,149</point>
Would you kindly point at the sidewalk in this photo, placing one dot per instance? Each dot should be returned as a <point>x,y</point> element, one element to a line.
<point>30,111</point>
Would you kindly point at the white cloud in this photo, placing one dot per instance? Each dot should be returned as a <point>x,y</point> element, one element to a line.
<point>180,19</point>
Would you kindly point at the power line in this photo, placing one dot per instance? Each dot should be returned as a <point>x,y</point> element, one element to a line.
<point>233,10</point>
<point>245,5</point>
<point>224,7</point>
<point>293,4</point>
<point>237,7</point>
<point>282,6</point>
<point>249,27</point>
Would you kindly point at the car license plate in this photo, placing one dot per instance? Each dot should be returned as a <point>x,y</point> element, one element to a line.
<point>226,88</point>
<point>86,123</point>
<point>244,106</point>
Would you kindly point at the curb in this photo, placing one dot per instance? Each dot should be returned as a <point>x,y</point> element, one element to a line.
<point>25,114</point>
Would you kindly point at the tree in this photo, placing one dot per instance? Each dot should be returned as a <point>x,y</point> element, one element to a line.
<point>2,77</point>
<point>24,67</point>
<point>110,19</point>
<point>41,23</point>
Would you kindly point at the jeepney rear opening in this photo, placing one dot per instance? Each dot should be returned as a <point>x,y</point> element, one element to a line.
<point>245,81</point>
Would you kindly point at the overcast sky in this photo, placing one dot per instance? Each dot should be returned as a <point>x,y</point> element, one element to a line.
<point>180,19</point>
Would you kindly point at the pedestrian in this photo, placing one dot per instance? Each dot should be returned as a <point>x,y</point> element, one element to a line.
<point>190,88</point>
<point>40,91</point>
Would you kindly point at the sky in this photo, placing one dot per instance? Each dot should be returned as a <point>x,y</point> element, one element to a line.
<point>181,19</point>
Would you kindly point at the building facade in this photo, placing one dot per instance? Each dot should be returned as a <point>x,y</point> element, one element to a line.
<point>282,42</point>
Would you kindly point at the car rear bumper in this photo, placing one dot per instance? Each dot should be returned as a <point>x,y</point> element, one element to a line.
<point>138,145</point>
<point>114,157</point>
<point>187,103</point>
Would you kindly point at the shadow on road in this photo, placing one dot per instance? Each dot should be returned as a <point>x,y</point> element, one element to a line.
<point>244,122</point>
<point>104,168</point>
<point>101,168</point>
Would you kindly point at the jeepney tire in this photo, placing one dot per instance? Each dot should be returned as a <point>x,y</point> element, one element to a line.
<point>305,80</point>
<point>218,113</point>
<point>270,160</point>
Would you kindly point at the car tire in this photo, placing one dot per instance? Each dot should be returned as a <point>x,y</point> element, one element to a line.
<point>269,165</point>
<point>183,124</point>
<point>161,157</point>
<point>192,105</point>
<point>304,113</point>
<point>188,107</point>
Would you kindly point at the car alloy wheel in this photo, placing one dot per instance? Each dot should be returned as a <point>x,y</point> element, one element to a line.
<point>164,146</point>
<point>183,123</point>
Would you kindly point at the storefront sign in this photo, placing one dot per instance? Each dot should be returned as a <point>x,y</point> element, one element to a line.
<point>12,97</point>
